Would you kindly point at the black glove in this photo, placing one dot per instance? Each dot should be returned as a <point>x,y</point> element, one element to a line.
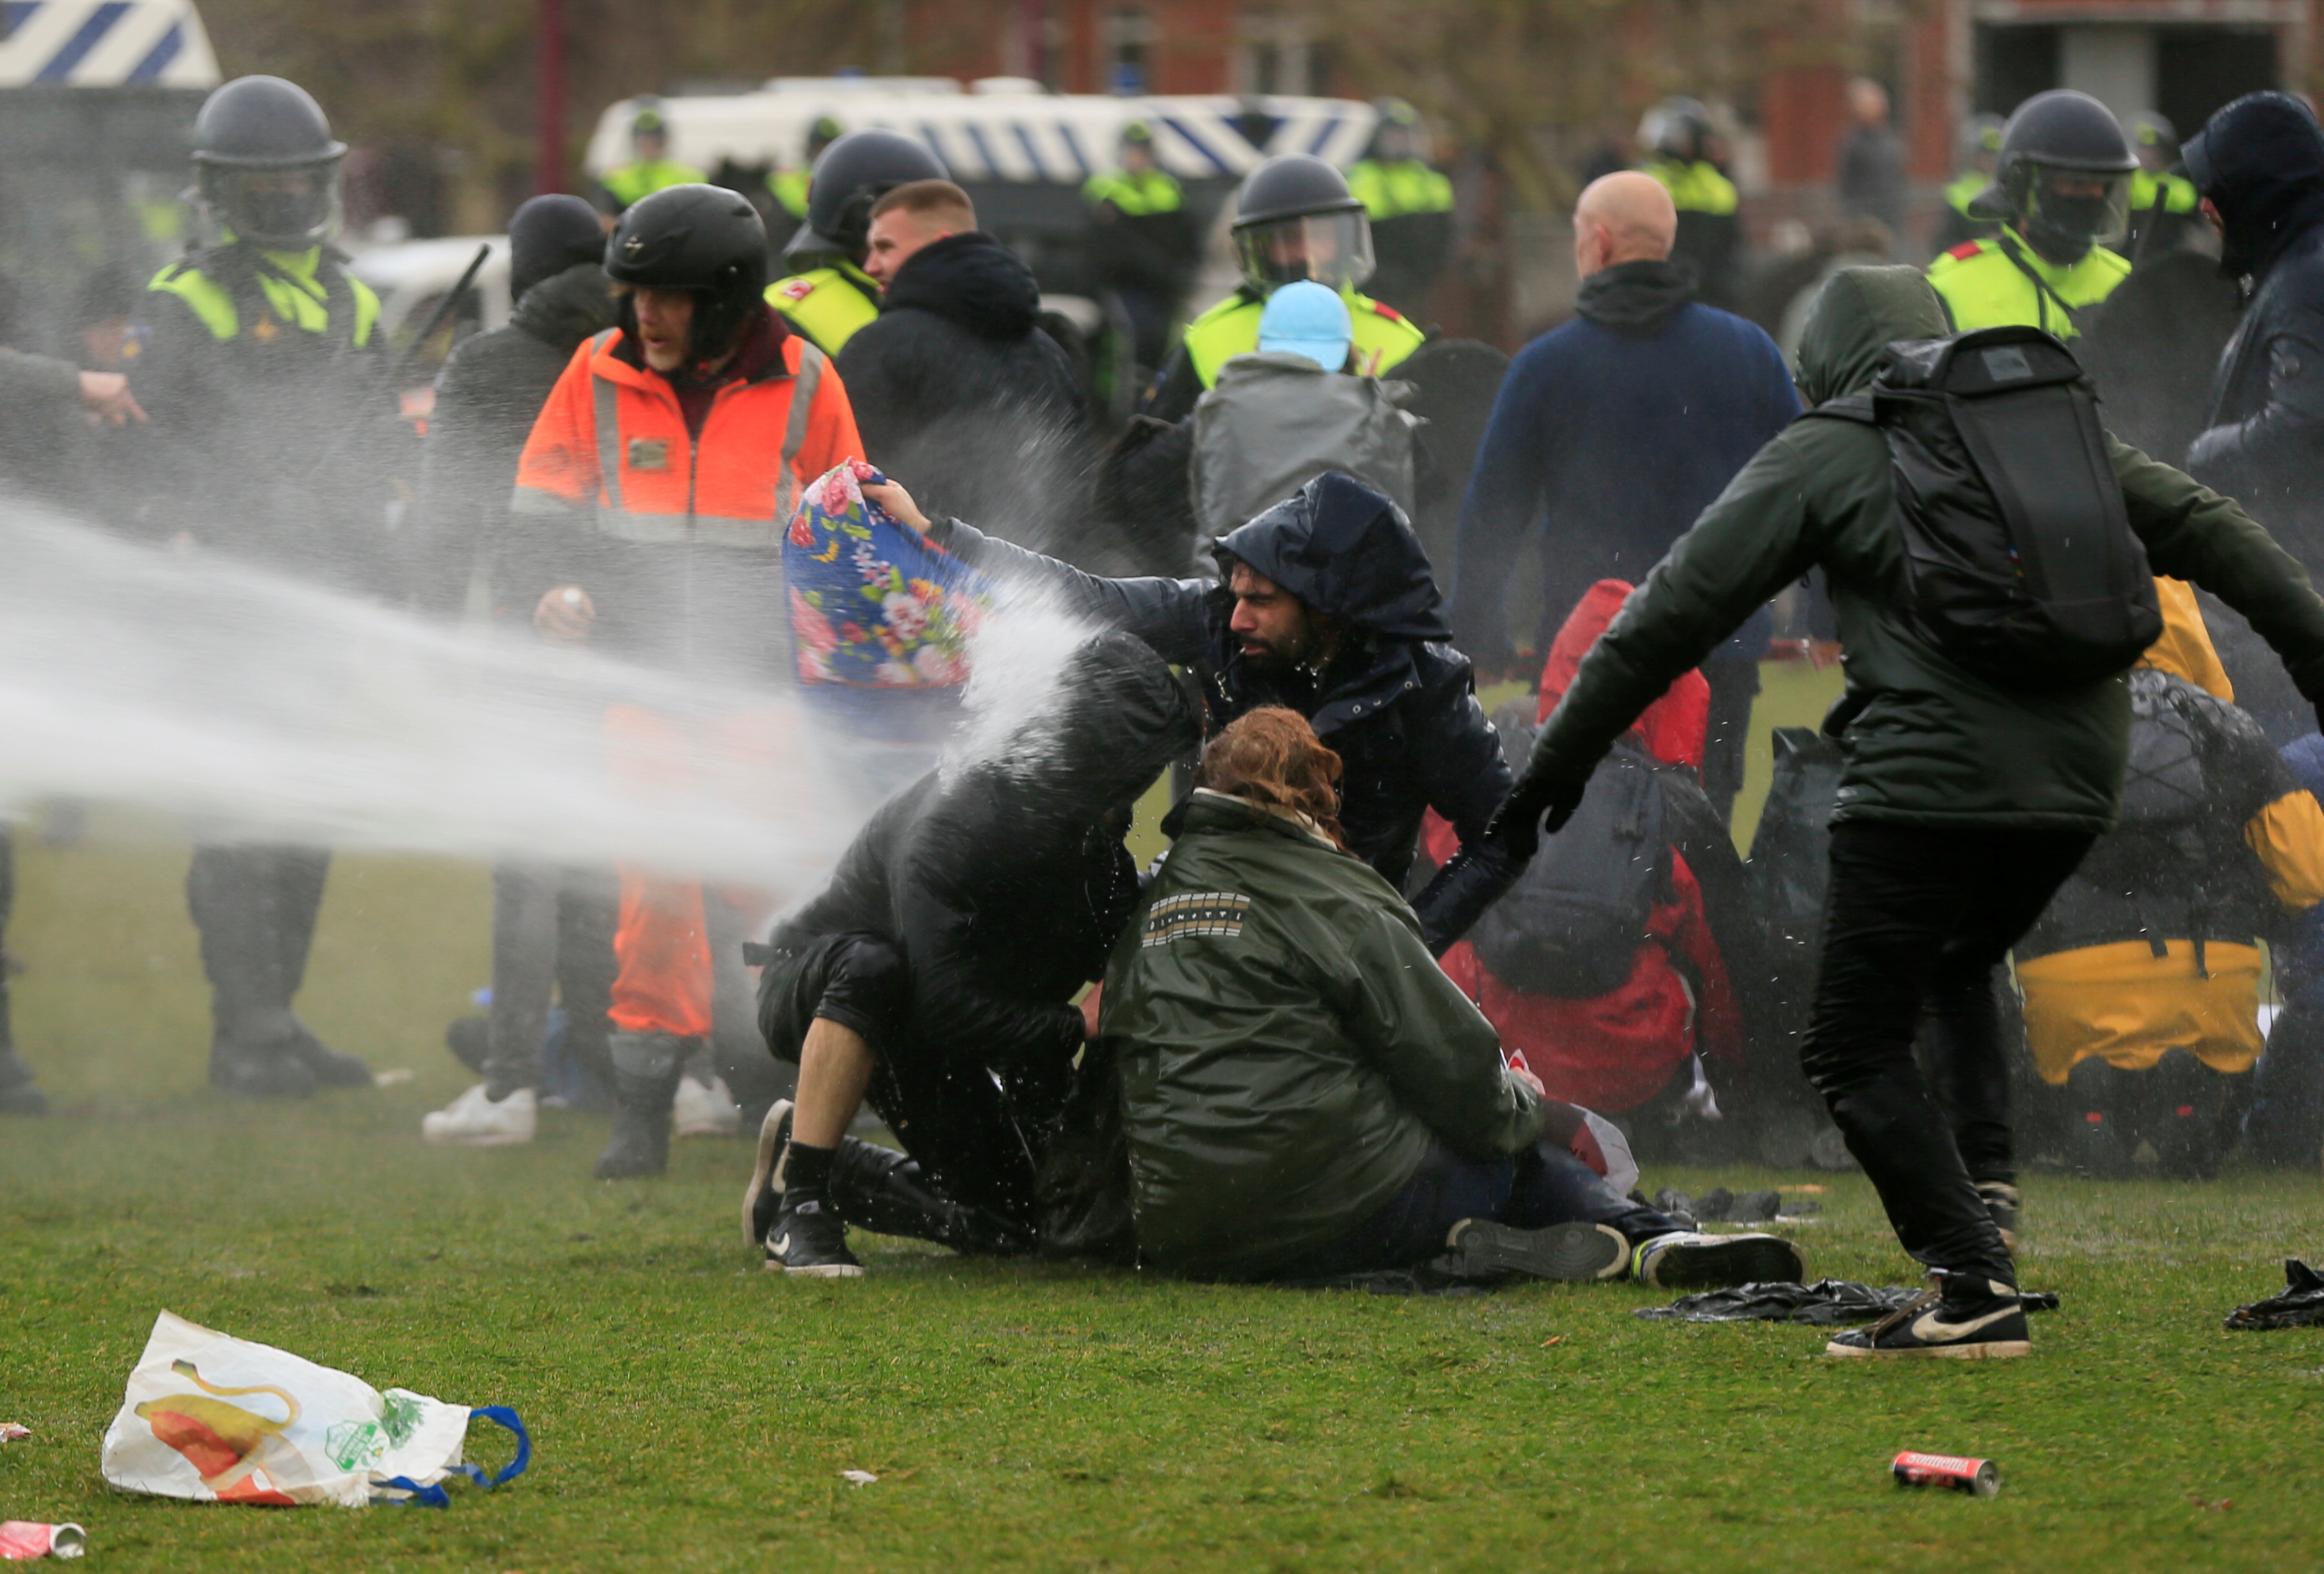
<point>1541,800</point>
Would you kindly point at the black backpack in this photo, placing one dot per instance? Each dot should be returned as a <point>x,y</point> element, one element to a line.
<point>2019,560</point>
<point>1572,925</point>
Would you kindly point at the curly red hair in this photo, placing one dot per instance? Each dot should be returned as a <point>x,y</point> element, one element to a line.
<point>1271,757</point>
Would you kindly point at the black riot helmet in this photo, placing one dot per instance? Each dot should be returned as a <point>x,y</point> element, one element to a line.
<point>1678,128</point>
<point>2063,180</point>
<point>265,165</point>
<point>1295,218</point>
<point>704,239</point>
<point>2155,140</point>
<point>853,173</point>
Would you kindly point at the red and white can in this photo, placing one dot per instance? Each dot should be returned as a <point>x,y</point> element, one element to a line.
<point>1979,1477</point>
<point>27,1537</point>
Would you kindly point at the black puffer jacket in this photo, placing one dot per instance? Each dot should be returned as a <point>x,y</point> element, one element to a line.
<point>2261,161</point>
<point>486,398</point>
<point>1005,882</point>
<point>1398,702</point>
<point>959,394</point>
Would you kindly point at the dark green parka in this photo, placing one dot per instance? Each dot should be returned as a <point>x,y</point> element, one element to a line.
<point>1286,1045</point>
<point>1927,743</point>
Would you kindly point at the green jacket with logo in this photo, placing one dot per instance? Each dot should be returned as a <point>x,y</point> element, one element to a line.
<point>1926,742</point>
<point>1286,1045</point>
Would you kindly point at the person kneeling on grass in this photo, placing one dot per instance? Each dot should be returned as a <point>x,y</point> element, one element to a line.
<point>1306,1095</point>
<point>935,974</point>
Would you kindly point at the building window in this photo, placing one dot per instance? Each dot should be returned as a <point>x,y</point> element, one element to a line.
<point>1275,53</point>
<point>1130,34</point>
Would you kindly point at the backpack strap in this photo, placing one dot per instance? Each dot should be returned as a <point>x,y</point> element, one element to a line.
<point>2044,294</point>
<point>1855,409</point>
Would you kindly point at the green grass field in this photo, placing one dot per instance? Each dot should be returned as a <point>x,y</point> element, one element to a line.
<point>691,1412</point>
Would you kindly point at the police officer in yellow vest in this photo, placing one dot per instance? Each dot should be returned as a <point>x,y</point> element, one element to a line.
<point>651,167</point>
<point>273,439</point>
<point>1678,136</point>
<point>1142,244</point>
<point>1980,154</point>
<point>1295,218</point>
<point>827,296</point>
<point>1409,202</point>
<point>788,186</point>
<point>2062,191</point>
<point>2163,203</point>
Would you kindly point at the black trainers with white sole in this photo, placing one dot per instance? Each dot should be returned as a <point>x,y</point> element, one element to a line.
<point>1478,1248</point>
<point>764,1200</point>
<point>1962,1317</point>
<point>810,1240</point>
<point>1686,1260</point>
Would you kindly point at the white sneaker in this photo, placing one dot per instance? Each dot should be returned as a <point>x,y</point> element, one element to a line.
<point>705,1110</point>
<point>472,1120</point>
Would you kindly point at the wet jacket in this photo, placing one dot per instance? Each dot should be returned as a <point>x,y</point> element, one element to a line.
<point>2152,944</point>
<point>487,397</point>
<point>1286,1046</point>
<point>2264,439</point>
<point>958,392</point>
<point>678,537</point>
<point>1927,743</point>
<point>1398,702</point>
<point>1005,884</point>
<point>1621,427</point>
<point>1380,337</point>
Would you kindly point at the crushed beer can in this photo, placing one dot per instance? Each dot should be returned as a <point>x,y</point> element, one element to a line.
<point>1979,1477</point>
<point>24,1538</point>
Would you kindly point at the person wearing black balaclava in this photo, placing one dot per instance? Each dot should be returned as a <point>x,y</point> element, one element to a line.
<point>2259,164</point>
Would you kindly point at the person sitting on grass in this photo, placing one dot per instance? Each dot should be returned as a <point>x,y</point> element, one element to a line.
<point>1306,1096</point>
<point>935,974</point>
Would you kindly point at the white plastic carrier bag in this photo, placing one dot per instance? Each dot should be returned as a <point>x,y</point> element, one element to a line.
<point>220,1419</point>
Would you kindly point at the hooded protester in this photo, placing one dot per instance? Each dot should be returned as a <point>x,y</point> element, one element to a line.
<point>1305,1095</point>
<point>1328,609</point>
<point>954,384</point>
<point>935,973</point>
<point>492,387</point>
<point>1962,807</point>
<point>2141,977</point>
<point>1609,435</point>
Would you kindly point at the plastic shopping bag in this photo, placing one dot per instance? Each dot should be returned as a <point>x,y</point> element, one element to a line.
<point>221,1420</point>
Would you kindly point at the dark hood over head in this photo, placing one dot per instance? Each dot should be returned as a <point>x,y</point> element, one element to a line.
<point>2261,161</point>
<point>1347,551</point>
<point>1858,315</point>
<point>1637,300</point>
<point>975,281</point>
<point>566,308</point>
<point>1120,718</point>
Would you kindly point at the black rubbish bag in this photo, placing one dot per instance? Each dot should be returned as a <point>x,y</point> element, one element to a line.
<point>1826,1304</point>
<point>2300,1304</point>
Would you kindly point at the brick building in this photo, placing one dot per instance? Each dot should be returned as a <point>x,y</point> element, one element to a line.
<point>1163,46</point>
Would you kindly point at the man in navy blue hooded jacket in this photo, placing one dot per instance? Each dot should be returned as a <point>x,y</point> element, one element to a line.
<point>1620,427</point>
<point>1329,607</point>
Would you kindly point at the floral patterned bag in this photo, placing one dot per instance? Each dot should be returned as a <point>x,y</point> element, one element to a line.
<point>873,604</point>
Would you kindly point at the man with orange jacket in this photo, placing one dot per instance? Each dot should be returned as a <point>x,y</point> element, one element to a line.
<point>656,489</point>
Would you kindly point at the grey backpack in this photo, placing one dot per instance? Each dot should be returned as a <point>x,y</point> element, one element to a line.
<point>1276,421</point>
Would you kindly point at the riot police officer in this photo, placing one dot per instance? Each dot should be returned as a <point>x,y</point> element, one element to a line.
<point>1143,246</point>
<point>830,296</point>
<point>788,186</point>
<point>2062,191</point>
<point>1678,136</point>
<point>275,439</point>
<point>2163,203</point>
<point>1409,202</point>
<point>651,167</point>
<point>1979,142</point>
<point>1295,218</point>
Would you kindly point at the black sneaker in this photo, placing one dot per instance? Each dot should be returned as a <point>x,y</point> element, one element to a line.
<point>2001,1200</point>
<point>1963,1317</point>
<point>1478,1248</point>
<point>1688,1261</point>
<point>764,1200</point>
<point>810,1239</point>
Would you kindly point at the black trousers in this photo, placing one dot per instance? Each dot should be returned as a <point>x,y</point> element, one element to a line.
<point>1918,918</point>
<point>552,931</point>
<point>255,907</point>
<point>978,1141</point>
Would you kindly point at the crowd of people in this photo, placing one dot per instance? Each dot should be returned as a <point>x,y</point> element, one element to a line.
<point>1413,984</point>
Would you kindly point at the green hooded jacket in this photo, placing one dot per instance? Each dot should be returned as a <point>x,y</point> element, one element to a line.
<point>1287,1045</point>
<point>1926,742</point>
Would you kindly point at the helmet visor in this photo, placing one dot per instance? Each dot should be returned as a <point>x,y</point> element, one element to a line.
<point>2088,206</point>
<point>1335,249</point>
<point>293,206</point>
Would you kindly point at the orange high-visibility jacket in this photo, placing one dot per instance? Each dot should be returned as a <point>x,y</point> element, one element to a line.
<point>612,435</point>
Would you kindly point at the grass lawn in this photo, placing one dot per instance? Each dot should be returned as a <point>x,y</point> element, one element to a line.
<point>690,1412</point>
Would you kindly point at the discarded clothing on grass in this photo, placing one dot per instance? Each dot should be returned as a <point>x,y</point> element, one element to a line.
<point>2300,1304</point>
<point>1720,1205</point>
<point>1825,1303</point>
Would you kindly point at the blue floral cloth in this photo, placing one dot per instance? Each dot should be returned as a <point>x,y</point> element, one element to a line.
<point>873,604</point>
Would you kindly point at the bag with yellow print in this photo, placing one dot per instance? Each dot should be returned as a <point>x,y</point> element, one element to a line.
<point>216,1419</point>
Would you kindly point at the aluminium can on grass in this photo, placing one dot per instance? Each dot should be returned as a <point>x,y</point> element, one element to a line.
<point>27,1537</point>
<point>1979,1477</point>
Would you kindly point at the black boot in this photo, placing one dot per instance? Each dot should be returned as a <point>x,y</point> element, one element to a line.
<point>256,909</point>
<point>884,1192</point>
<point>19,1093</point>
<point>646,1069</point>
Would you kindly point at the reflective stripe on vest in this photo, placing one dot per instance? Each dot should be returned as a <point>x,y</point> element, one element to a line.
<point>293,295</point>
